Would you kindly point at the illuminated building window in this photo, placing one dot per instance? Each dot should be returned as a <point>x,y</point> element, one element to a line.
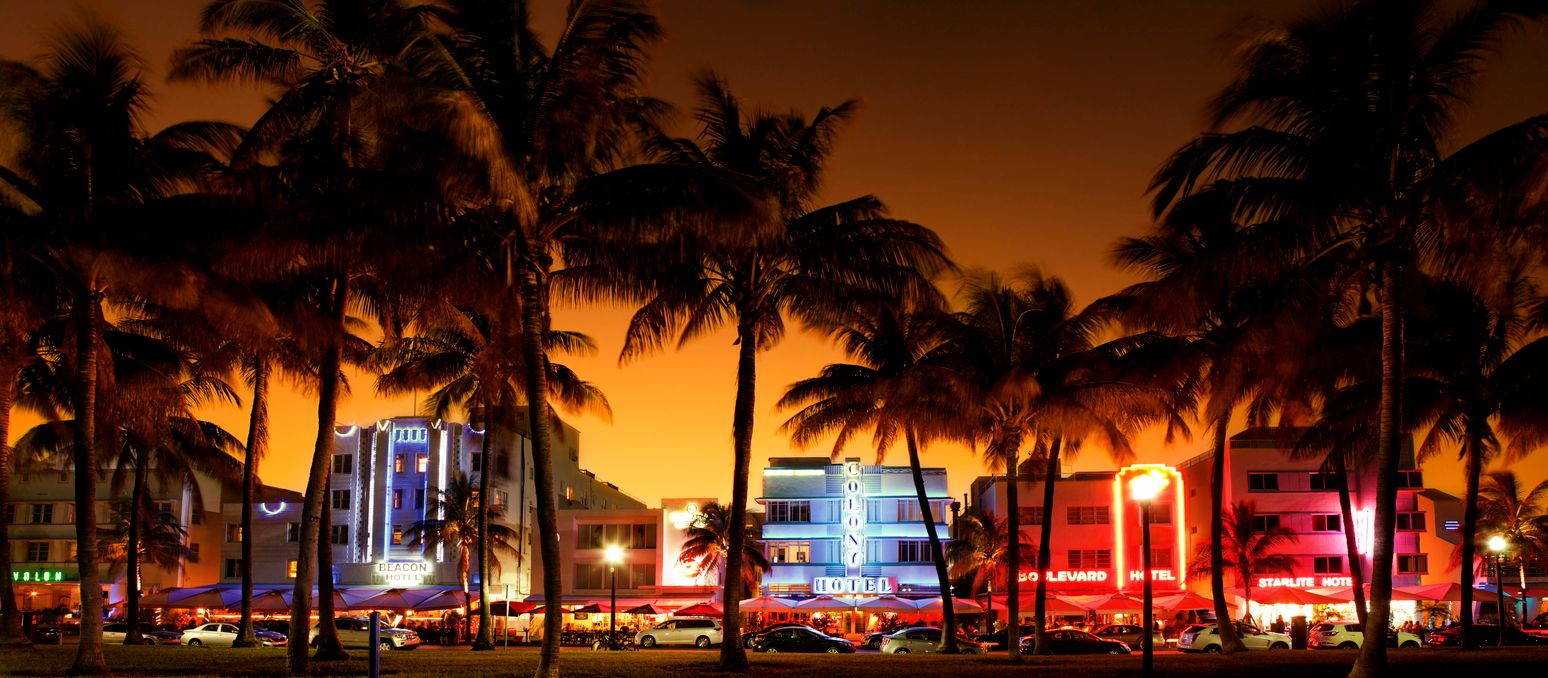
<point>1410,522</point>
<point>1320,480</point>
<point>1090,559</point>
<point>422,464</point>
<point>1030,515</point>
<point>1161,559</point>
<point>233,534</point>
<point>341,500</point>
<point>913,551</point>
<point>1410,479</point>
<point>1264,522</point>
<point>1413,564</point>
<point>1263,482</point>
<point>341,535</point>
<point>290,569</point>
<point>1089,515</point>
<point>37,551</point>
<point>42,513</point>
<point>569,493</point>
<point>233,568</point>
<point>397,463</point>
<point>397,499</point>
<point>344,464</point>
<point>790,552</point>
<point>789,512</point>
<point>1328,565</point>
<point>397,535</point>
<point>293,532</point>
<point>1327,523</point>
<point>908,511</point>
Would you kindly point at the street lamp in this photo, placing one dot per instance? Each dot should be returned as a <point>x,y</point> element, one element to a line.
<point>1144,488</point>
<point>1497,544</point>
<point>613,555</point>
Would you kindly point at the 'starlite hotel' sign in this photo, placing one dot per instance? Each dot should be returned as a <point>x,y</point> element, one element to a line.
<point>1304,582</point>
<point>871,586</point>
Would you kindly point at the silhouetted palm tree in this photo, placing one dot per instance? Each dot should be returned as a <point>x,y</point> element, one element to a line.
<point>162,541</point>
<point>1517,513</point>
<point>1249,552</point>
<point>1339,124</point>
<point>980,552</point>
<point>461,528</point>
<point>707,542</point>
<point>804,262</point>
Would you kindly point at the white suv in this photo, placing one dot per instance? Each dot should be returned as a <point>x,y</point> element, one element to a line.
<point>1349,636</point>
<point>1206,638</point>
<point>688,631</point>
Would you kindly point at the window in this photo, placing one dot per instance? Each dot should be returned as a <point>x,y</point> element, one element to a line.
<point>193,550</point>
<point>42,513</point>
<point>1328,565</point>
<point>293,532</point>
<point>1263,482</point>
<point>642,536</point>
<point>1413,564</point>
<point>478,465</point>
<point>790,512</point>
<point>233,534</point>
<point>419,499</point>
<point>569,493</point>
<point>1030,515</point>
<point>341,500</point>
<point>1088,515</point>
<point>233,567</point>
<point>422,463</point>
<point>1090,559</point>
<point>397,499</point>
<point>9,517</point>
<point>1265,522</point>
<point>1410,479</point>
<point>908,511</point>
<point>197,517</point>
<point>344,463</point>
<point>600,535</point>
<point>1410,522</point>
<point>1322,480</point>
<point>1160,559</point>
<point>590,576</point>
<point>913,551</point>
<point>1327,523</point>
<point>1161,513</point>
<point>341,535</point>
<point>290,569</point>
<point>37,551</point>
<point>790,552</point>
<point>642,575</point>
<point>397,535</point>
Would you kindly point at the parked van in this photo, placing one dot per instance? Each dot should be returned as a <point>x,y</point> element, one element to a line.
<point>688,631</point>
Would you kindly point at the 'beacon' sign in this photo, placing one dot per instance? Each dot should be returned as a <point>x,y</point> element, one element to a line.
<point>854,520</point>
<point>872,586</point>
<point>401,574</point>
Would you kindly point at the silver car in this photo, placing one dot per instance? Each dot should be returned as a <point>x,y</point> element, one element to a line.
<point>356,633</point>
<point>923,640</point>
<point>687,631</point>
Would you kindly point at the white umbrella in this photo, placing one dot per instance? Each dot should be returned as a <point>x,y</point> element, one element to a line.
<point>767,604</point>
<point>889,604</point>
<point>960,605</point>
<point>825,604</point>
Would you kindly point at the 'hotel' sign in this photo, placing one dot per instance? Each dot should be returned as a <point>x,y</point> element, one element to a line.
<point>871,586</point>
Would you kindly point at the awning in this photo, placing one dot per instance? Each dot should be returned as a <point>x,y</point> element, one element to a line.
<point>1110,603</point>
<point>958,605</point>
<point>888,604</point>
<point>1186,600</point>
<point>825,604</point>
<point>700,610</point>
<point>1451,592</point>
<point>1288,595</point>
<point>767,604</point>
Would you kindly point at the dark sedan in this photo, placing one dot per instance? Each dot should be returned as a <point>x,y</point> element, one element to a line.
<point>1484,635</point>
<point>996,640</point>
<point>46,635</point>
<point>749,638</point>
<point>801,639</point>
<point>1076,641</point>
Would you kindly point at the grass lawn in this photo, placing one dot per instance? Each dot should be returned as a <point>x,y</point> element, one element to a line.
<point>182,661</point>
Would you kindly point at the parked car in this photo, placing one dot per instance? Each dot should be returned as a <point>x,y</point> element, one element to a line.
<point>46,635</point>
<point>1075,641</point>
<point>221,634</point>
<point>801,639</point>
<point>1130,634</point>
<point>1350,635</point>
<point>924,640</point>
<point>997,639</point>
<point>1484,635</point>
<point>355,632</point>
<point>281,626</point>
<point>686,631</point>
<point>1206,638</point>
<point>747,639</point>
<point>115,633</point>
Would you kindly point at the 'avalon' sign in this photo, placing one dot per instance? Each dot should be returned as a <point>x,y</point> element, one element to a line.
<point>847,585</point>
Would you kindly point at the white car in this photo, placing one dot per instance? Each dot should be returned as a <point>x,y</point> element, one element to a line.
<point>356,633</point>
<point>924,640</point>
<point>219,634</point>
<point>687,631</point>
<point>1206,638</point>
<point>1349,636</point>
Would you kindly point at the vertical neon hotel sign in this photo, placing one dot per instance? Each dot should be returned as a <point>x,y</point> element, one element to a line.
<point>854,519</point>
<point>1121,504</point>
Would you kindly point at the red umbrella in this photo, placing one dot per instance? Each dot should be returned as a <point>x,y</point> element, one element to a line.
<point>1451,592</point>
<point>594,608</point>
<point>700,610</point>
<point>1056,604</point>
<point>501,608</point>
<point>1288,595</point>
<point>644,609</point>
<point>1185,601</point>
<point>1109,602</point>
<point>544,610</point>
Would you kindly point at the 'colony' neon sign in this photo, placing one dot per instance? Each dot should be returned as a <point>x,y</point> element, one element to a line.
<point>854,519</point>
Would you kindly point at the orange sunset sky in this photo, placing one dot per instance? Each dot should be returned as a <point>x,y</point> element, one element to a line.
<point>1022,132</point>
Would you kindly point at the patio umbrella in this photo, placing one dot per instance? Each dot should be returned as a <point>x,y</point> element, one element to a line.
<point>204,596</point>
<point>647,608</point>
<point>1109,603</point>
<point>593,608</point>
<point>1535,592</point>
<point>700,610</point>
<point>1286,595</point>
<point>824,604</point>
<point>888,604</point>
<point>1056,604</point>
<point>767,604</point>
<point>270,601</point>
<point>544,610</point>
<point>510,608</point>
<point>160,598</point>
<point>1187,600</point>
<point>446,600</point>
<point>1451,592</point>
<point>959,605</point>
<point>391,599</point>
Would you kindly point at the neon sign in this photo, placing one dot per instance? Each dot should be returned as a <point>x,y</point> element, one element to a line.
<point>405,573</point>
<point>854,519</point>
<point>38,576</point>
<point>1304,582</point>
<point>1064,576</point>
<point>271,512</point>
<point>1122,506</point>
<point>1365,531</point>
<point>854,585</point>
<point>410,435</point>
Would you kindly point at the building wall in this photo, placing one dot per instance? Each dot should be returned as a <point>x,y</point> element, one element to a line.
<point>651,540</point>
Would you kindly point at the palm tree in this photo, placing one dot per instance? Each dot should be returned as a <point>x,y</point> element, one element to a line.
<point>1250,552</point>
<point>804,262</point>
<point>707,542</point>
<point>21,316</point>
<point>82,167</point>
<point>895,390</point>
<point>981,553</point>
<point>471,360</point>
<point>163,542</point>
<point>461,530</point>
<point>1509,509</point>
<point>1338,124</point>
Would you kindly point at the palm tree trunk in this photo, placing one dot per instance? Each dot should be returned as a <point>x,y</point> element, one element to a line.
<point>1470,534</point>
<point>536,375</point>
<point>88,655</point>
<point>316,484</point>
<point>733,657</point>
<point>1372,661</point>
<point>329,648</point>
<point>484,641</point>
<point>1012,446</point>
<point>1229,642</point>
<point>257,438</point>
<point>1045,546</point>
<point>10,617</point>
<point>1351,544</point>
<point>132,552</point>
<point>948,614</point>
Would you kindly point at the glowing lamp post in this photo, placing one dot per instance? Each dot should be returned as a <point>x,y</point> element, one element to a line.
<point>1497,544</point>
<point>613,555</point>
<point>1144,488</point>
